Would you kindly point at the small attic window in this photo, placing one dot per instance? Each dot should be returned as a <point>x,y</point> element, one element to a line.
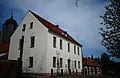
<point>31,25</point>
<point>24,27</point>
<point>65,32</point>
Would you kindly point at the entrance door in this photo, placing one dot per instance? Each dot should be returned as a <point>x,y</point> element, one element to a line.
<point>69,66</point>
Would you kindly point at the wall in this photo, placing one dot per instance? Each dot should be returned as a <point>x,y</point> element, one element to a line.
<point>52,52</point>
<point>38,52</point>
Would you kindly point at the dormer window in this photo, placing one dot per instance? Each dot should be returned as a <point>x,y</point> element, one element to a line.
<point>66,35</point>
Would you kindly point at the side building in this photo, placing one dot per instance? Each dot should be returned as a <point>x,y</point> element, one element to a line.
<point>47,49</point>
<point>91,67</point>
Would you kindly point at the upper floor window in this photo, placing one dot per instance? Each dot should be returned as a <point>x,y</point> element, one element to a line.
<point>61,62</point>
<point>30,61</point>
<point>74,49</point>
<point>68,47</point>
<point>32,41</point>
<point>21,43</point>
<point>54,61</point>
<point>54,41</point>
<point>78,51</point>
<point>31,25</point>
<point>60,44</point>
<point>24,26</point>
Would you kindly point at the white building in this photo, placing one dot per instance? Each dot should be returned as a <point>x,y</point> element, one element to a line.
<point>47,48</point>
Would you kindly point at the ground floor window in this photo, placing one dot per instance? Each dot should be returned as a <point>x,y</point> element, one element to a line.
<point>61,62</point>
<point>30,61</point>
<point>54,61</point>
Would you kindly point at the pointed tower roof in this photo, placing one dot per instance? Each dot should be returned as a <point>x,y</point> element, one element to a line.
<point>55,28</point>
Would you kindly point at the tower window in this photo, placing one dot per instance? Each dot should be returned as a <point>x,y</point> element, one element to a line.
<point>31,25</point>
<point>24,27</point>
<point>32,41</point>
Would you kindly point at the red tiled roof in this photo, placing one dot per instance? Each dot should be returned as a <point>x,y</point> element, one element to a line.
<point>4,47</point>
<point>90,62</point>
<point>55,28</point>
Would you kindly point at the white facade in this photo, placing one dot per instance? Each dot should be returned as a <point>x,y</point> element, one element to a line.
<point>43,50</point>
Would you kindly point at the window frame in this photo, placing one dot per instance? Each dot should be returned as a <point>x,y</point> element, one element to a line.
<point>78,50</point>
<point>61,46</point>
<point>75,64</point>
<point>54,61</point>
<point>61,62</point>
<point>24,27</point>
<point>74,49</point>
<point>68,47</point>
<point>31,25</point>
<point>78,64</point>
<point>30,62</point>
<point>54,41</point>
<point>32,42</point>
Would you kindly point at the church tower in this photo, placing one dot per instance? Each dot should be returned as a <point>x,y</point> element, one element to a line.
<point>8,29</point>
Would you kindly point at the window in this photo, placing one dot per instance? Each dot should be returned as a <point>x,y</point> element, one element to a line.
<point>74,49</point>
<point>75,64</point>
<point>21,43</point>
<point>68,47</point>
<point>24,27</point>
<point>79,64</point>
<point>54,42</point>
<point>54,61</point>
<point>30,61</point>
<point>78,51</point>
<point>61,62</point>
<point>32,41</point>
<point>31,25</point>
<point>60,44</point>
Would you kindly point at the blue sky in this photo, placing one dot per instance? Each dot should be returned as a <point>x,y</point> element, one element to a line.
<point>82,22</point>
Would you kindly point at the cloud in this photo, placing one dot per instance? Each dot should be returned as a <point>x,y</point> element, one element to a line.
<point>81,22</point>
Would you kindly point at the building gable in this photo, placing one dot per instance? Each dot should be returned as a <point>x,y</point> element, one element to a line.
<point>55,28</point>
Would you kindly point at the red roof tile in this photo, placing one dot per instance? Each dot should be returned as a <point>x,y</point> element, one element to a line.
<point>55,28</point>
<point>90,62</point>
